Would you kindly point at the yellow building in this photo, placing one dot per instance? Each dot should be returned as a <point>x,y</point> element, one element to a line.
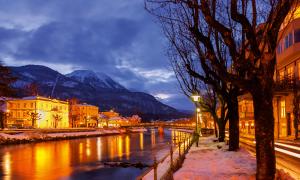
<point>38,112</point>
<point>83,115</point>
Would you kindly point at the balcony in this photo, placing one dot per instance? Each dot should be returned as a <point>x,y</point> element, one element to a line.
<point>287,84</point>
<point>246,115</point>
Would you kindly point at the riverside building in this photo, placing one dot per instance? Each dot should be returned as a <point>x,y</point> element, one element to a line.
<point>37,112</point>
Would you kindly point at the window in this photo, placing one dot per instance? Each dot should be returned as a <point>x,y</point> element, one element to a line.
<point>18,105</point>
<point>297,35</point>
<point>298,64</point>
<point>31,105</point>
<point>288,40</point>
<point>290,71</point>
<point>25,105</point>
<point>282,109</point>
<point>279,50</point>
<point>281,74</point>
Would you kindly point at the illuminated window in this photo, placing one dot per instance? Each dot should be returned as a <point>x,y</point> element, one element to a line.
<point>25,105</point>
<point>282,109</point>
<point>298,69</point>
<point>281,74</point>
<point>18,105</point>
<point>290,71</point>
<point>31,105</point>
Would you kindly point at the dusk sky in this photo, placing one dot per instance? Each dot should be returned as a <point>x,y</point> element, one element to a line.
<point>117,37</point>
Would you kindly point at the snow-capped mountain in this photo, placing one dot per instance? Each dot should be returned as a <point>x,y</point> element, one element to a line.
<point>96,80</point>
<point>93,88</point>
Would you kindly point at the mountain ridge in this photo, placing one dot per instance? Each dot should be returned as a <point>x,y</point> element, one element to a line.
<point>96,89</point>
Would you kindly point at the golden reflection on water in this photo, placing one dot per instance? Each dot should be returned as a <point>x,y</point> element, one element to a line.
<point>120,147</point>
<point>57,159</point>
<point>153,137</point>
<point>141,141</point>
<point>7,166</point>
<point>127,147</point>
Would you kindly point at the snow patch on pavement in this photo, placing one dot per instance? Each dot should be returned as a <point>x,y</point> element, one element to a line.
<point>212,160</point>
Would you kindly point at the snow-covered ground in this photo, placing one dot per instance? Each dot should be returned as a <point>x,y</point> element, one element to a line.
<point>7,138</point>
<point>164,163</point>
<point>138,130</point>
<point>212,160</point>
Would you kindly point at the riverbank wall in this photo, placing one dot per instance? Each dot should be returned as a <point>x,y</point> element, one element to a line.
<point>32,136</point>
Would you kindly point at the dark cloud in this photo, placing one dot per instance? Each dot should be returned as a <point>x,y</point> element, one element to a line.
<point>115,37</point>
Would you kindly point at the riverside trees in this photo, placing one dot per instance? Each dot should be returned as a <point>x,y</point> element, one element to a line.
<point>241,35</point>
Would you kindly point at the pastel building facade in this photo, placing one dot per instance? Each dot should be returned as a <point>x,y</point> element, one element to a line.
<point>83,115</point>
<point>37,112</point>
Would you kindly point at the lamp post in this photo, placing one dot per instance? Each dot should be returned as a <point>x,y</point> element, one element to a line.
<point>197,119</point>
<point>196,99</point>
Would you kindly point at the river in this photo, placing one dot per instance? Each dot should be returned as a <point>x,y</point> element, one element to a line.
<point>80,159</point>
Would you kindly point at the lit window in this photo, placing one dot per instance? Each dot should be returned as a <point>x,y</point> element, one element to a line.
<point>25,105</point>
<point>282,109</point>
<point>290,71</point>
<point>281,74</point>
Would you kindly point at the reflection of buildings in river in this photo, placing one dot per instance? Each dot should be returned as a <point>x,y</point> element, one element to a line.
<point>141,141</point>
<point>47,157</point>
<point>127,147</point>
<point>152,137</point>
<point>120,147</point>
<point>80,151</point>
<point>6,165</point>
<point>88,147</point>
<point>99,149</point>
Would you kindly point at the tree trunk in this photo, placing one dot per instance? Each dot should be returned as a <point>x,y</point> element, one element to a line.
<point>216,130</point>
<point>264,130</point>
<point>233,113</point>
<point>32,122</point>
<point>222,132</point>
<point>2,120</point>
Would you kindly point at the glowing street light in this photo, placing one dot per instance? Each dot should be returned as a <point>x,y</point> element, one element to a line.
<point>196,98</point>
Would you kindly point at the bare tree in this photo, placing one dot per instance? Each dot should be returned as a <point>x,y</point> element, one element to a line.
<point>185,53</point>
<point>57,118</point>
<point>210,100</point>
<point>6,90</point>
<point>248,32</point>
<point>34,117</point>
<point>74,118</point>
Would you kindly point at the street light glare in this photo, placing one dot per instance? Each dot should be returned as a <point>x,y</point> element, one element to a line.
<point>195,98</point>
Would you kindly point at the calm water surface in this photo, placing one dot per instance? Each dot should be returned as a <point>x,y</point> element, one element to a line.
<point>83,158</point>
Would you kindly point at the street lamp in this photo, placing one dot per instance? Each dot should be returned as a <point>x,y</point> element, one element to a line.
<point>197,120</point>
<point>196,99</point>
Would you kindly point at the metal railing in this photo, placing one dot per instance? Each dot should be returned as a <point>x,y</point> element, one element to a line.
<point>164,168</point>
